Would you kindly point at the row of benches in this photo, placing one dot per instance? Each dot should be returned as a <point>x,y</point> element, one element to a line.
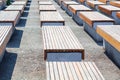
<point>9,17</point>
<point>91,18</point>
<point>59,39</point>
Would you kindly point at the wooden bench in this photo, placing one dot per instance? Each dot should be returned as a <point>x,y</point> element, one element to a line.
<point>94,4</point>
<point>73,71</point>
<point>19,3</point>
<point>111,35</point>
<point>9,17</point>
<point>5,34</point>
<point>115,3</point>
<point>65,4</point>
<point>19,8</point>
<point>111,11</point>
<point>45,3</point>
<point>118,14</point>
<point>91,20</point>
<point>60,39</point>
<point>75,9</point>
<point>60,1</point>
<point>51,18</point>
<point>47,8</point>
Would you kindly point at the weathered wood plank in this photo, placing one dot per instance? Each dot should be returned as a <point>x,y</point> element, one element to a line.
<point>111,34</point>
<point>65,42</point>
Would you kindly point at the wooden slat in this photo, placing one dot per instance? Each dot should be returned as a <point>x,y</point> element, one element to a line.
<point>108,9</point>
<point>67,3</point>
<point>111,34</point>
<point>104,1</point>
<point>19,3</point>
<point>65,42</point>
<point>47,8</point>
<point>9,17</point>
<point>76,71</point>
<point>45,3</point>
<point>115,3</point>
<point>118,14</point>
<point>60,1</point>
<point>75,8</point>
<point>90,17</point>
<point>51,16</point>
<point>15,8</point>
<point>94,3</point>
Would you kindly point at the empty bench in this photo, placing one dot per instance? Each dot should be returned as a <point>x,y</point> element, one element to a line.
<point>73,71</point>
<point>94,4</point>
<point>61,40</point>
<point>111,36</point>
<point>75,9</point>
<point>45,3</point>
<point>9,17</point>
<point>5,34</point>
<point>51,18</point>
<point>115,3</point>
<point>19,3</point>
<point>47,8</point>
<point>91,20</point>
<point>65,4</point>
<point>110,11</point>
<point>19,8</point>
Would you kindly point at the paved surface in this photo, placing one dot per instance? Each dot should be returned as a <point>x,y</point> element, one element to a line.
<point>24,57</point>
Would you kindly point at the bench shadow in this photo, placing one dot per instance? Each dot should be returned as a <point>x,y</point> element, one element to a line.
<point>15,40</point>
<point>64,56</point>
<point>7,65</point>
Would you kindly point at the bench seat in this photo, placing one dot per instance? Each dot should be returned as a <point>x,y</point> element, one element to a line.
<point>60,1</point>
<point>91,20</point>
<point>115,3</point>
<point>45,3</point>
<point>5,34</point>
<point>9,17</point>
<point>19,8</point>
<point>47,8</point>
<point>19,3</point>
<point>65,4</point>
<point>111,35</point>
<point>60,39</point>
<point>73,71</point>
<point>118,14</point>
<point>51,18</point>
<point>75,9</point>
<point>111,11</point>
<point>94,4</point>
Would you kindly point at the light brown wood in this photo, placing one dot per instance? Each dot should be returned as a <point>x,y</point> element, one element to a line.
<point>75,8</point>
<point>91,17</point>
<point>9,17</point>
<point>108,9</point>
<point>47,8</point>
<point>51,16</point>
<point>118,14</point>
<point>94,3</point>
<point>75,71</point>
<point>104,1</point>
<point>60,1</point>
<point>45,3</point>
<point>5,34</point>
<point>115,3</point>
<point>65,42</point>
<point>67,3</point>
<point>15,8</point>
<point>111,33</point>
